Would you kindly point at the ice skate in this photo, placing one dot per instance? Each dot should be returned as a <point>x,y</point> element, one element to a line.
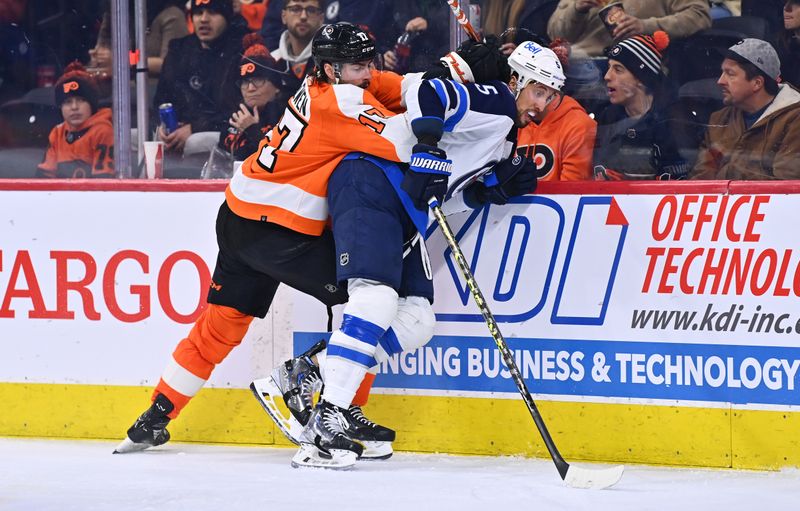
<point>324,442</point>
<point>377,439</point>
<point>150,429</point>
<point>295,381</point>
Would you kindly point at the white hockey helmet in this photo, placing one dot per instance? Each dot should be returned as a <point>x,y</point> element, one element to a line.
<point>534,63</point>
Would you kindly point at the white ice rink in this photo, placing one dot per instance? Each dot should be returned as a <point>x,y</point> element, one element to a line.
<point>45,475</point>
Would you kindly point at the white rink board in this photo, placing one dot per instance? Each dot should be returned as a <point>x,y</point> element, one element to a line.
<point>563,275</point>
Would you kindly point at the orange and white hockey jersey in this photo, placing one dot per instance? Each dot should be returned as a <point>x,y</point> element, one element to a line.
<point>286,180</point>
<point>561,146</point>
<point>82,153</point>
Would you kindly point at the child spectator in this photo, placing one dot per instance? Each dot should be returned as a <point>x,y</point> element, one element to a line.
<point>83,145</point>
<point>634,135</point>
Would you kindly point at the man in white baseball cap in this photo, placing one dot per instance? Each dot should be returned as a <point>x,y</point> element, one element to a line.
<point>757,134</point>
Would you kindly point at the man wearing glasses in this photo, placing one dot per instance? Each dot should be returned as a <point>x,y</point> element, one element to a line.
<point>302,19</point>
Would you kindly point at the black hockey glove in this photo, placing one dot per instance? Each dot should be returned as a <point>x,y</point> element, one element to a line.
<point>510,178</point>
<point>427,175</point>
<point>473,62</point>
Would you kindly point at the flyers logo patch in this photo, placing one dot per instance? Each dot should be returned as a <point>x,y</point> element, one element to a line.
<point>70,86</point>
<point>202,2</point>
<point>247,68</point>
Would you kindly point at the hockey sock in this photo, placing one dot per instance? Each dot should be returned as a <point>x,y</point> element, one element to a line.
<point>362,394</point>
<point>217,331</point>
<point>351,349</point>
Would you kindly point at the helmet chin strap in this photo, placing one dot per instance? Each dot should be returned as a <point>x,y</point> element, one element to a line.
<point>337,71</point>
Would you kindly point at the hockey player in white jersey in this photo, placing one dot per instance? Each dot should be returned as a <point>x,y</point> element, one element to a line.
<point>474,125</point>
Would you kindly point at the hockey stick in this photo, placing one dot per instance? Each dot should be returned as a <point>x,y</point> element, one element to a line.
<point>573,476</point>
<point>463,20</point>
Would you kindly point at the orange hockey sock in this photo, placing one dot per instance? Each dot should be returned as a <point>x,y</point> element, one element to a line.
<point>362,394</point>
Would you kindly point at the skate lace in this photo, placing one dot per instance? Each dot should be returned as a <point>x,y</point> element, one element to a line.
<point>308,384</point>
<point>358,416</point>
<point>335,421</point>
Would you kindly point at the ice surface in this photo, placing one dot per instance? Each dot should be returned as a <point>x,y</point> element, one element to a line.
<point>45,475</point>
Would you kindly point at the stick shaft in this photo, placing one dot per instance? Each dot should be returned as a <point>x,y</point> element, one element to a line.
<point>561,465</point>
<point>463,20</point>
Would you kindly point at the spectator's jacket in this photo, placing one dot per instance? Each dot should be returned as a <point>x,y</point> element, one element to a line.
<point>298,64</point>
<point>561,146</point>
<point>588,34</point>
<point>636,148</point>
<point>770,149</point>
<point>535,15</point>
<point>201,83</point>
<point>83,153</point>
<point>241,144</point>
<point>167,25</point>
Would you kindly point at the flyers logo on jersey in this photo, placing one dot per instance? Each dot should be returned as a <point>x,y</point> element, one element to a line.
<point>246,68</point>
<point>70,86</point>
<point>202,2</point>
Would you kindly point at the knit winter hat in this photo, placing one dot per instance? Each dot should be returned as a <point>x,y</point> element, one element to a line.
<point>257,61</point>
<point>641,55</point>
<point>224,7</point>
<point>76,82</point>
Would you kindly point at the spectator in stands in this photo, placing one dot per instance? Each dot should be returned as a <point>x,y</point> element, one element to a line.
<point>634,135</point>
<point>376,15</point>
<point>263,99</point>
<point>165,21</point>
<point>426,36</point>
<point>83,145</point>
<point>561,137</point>
<point>789,43</point>
<point>196,78</point>
<point>578,22</point>
<point>497,16</point>
<point>302,19</point>
<point>757,134</point>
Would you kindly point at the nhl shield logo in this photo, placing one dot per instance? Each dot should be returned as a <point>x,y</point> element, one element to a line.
<point>344,258</point>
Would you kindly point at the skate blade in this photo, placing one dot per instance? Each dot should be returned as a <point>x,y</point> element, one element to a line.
<point>129,445</point>
<point>374,451</point>
<point>309,456</point>
<point>269,395</point>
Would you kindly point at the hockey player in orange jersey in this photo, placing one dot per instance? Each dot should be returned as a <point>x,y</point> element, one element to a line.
<point>83,145</point>
<point>271,204</point>
<point>271,229</point>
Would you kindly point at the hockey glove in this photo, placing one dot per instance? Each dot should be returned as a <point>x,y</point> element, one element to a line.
<point>510,178</point>
<point>427,175</point>
<point>474,62</point>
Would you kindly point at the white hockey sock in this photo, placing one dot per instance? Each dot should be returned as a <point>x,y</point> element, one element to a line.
<point>351,349</point>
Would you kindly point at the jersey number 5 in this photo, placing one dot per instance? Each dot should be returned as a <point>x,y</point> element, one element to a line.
<point>290,131</point>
